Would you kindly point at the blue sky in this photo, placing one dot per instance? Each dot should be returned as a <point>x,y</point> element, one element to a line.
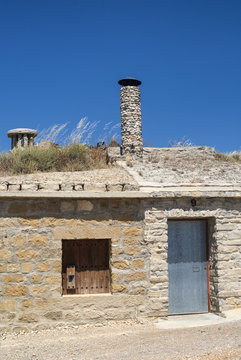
<point>60,60</point>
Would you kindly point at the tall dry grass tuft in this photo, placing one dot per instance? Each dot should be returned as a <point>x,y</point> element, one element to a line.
<point>180,143</point>
<point>52,133</point>
<point>85,132</point>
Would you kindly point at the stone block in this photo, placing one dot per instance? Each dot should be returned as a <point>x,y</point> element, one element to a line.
<point>57,266</point>
<point>12,278</point>
<point>6,241</point>
<point>36,279</point>
<point>27,254</point>
<point>7,305</point>
<point>114,187</point>
<point>138,263</point>
<point>27,268</point>
<point>78,187</point>
<point>84,205</point>
<point>29,187</point>
<point>67,186</point>
<point>26,304</point>
<point>53,279</point>
<point>52,221</point>
<point>15,290</point>
<point>38,240</point>
<point>5,254</point>
<point>48,186</point>
<point>28,318</point>
<point>116,251</point>
<point>12,268</point>
<point>131,241</point>
<point>154,294</point>
<point>133,231</point>
<point>17,208</point>
<point>96,187</point>
<point>51,253</point>
<point>119,288</point>
<point>18,241</point>
<point>33,222</point>
<point>132,250</point>
<point>120,264</point>
<point>116,277</point>
<point>67,206</point>
<point>3,187</point>
<point>9,222</point>
<point>37,290</point>
<point>43,266</point>
<point>139,291</point>
<point>76,222</point>
<point>158,279</point>
<point>2,267</point>
<point>41,303</point>
<point>135,276</point>
<point>86,233</point>
<point>234,235</point>
<point>54,315</point>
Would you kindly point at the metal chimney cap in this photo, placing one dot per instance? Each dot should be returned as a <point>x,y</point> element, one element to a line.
<point>129,82</point>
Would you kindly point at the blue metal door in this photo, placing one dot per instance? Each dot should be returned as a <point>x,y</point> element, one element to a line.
<point>187,267</point>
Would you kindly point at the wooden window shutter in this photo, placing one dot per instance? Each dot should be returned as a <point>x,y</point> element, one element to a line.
<point>85,266</point>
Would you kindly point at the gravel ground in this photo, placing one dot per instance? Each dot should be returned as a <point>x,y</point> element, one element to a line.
<point>125,340</point>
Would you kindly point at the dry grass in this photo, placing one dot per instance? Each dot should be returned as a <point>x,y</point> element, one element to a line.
<point>181,143</point>
<point>231,157</point>
<point>76,157</point>
<point>59,149</point>
<point>85,132</point>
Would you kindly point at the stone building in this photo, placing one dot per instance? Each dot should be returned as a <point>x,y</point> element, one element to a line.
<point>158,237</point>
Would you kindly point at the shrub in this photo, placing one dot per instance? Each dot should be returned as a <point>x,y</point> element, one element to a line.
<point>74,157</point>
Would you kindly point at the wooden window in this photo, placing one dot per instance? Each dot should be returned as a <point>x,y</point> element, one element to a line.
<point>85,266</point>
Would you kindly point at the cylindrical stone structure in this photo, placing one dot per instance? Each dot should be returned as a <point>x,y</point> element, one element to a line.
<point>22,137</point>
<point>130,107</point>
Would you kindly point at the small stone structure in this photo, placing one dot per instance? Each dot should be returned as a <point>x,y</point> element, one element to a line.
<point>22,137</point>
<point>130,106</point>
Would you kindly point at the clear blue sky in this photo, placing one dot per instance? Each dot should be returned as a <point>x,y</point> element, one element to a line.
<point>60,60</point>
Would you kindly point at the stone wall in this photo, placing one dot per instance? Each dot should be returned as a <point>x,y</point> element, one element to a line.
<point>131,127</point>
<point>224,232</point>
<point>31,234</point>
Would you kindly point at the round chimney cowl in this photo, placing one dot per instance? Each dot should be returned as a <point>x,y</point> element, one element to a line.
<point>129,82</point>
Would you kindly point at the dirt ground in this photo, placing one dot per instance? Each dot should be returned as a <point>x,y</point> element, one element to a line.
<point>125,340</point>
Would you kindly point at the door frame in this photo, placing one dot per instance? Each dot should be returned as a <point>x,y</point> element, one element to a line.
<point>207,253</point>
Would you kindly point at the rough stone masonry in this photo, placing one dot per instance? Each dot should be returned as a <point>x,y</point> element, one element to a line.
<point>131,127</point>
<point>31,256</point>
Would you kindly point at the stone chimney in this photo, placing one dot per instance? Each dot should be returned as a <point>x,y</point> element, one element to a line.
<point>22,137</point>
<point>130,106</point>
